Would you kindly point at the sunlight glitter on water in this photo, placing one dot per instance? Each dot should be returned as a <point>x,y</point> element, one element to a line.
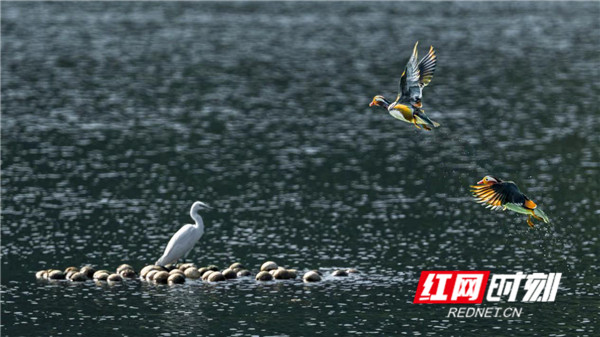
<point>116,118</point>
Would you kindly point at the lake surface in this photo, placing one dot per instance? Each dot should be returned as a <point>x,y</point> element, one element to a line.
<point>116,117</point>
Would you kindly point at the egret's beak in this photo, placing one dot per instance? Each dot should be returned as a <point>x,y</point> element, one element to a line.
<point>372,103</point>
<point>480,182</point>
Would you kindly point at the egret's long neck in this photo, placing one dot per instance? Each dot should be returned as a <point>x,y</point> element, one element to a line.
<point>198,219</point>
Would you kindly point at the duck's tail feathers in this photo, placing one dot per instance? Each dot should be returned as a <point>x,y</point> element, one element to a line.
<point>423,119</point>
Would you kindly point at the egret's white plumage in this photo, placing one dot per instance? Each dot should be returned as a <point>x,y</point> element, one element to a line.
<point>186,237</point>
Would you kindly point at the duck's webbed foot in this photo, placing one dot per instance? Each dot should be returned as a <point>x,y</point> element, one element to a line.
<point>529,222</point>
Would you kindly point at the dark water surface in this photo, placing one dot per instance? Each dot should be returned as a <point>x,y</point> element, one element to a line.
<point>117,116</point>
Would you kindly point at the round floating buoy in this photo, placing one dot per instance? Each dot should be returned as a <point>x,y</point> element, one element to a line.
<point>176,271</point>
<point>101,275</point>
<point>229,274</point>
<point>293,273</point>
<point>69,274</point>
<point>207,274</point>
<point>213,267</point>
<point>56,275</point>
<point>151,274</point>
<point>339,273</point>
<point>114,278</point>
<point>243,273</point>
<point>282,274</point>
<point>192,273</point>
<point>264,276</point>
<point>123,267</point>
<point>88,271</point>
<point>41,275</point>
<point>147,269</point>
<point>185,266</point>
<point>311,276</point>
<point>68,269</point>
<point>216,277</point>
<point>352,271</point>
<point>269,265</point>
<point>78,277</point>
<point>176,278</point>
<point>128,273</point>
<point>237,265</point>
<point>161,277</point>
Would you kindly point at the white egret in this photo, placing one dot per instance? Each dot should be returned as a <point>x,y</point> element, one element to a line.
<point>186,237</point>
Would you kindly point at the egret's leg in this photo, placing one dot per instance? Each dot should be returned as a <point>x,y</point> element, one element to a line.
<point>185,256</point>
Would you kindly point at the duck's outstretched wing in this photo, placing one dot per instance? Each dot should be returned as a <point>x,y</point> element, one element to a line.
<point>409,81</point>
<point>427,67</point>
<point>498,195</point>
<point>491,195</point>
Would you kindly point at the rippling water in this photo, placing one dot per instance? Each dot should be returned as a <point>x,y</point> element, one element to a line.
<point>117,116</point>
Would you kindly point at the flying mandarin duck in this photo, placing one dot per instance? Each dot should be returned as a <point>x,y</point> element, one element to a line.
<point>506,195</point>
<point>408,105</point>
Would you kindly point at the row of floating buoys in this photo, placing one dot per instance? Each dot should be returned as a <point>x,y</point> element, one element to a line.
<point>177,274</point>
<point>270,270</point>
<point>75,274</point>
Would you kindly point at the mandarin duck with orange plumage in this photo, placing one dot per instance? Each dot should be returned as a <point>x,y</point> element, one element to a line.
<point>499,194</point>
<point>408,104</point>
